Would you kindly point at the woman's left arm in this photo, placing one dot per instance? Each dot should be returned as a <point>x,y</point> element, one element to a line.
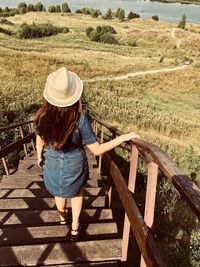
<point>39,148</point>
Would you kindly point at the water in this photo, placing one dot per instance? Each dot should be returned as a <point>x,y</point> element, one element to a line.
<point>146,9</point>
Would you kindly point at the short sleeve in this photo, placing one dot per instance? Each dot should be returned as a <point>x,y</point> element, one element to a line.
<point>86,130</point>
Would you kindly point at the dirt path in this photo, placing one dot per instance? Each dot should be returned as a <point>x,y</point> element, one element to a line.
<point>139,73</point>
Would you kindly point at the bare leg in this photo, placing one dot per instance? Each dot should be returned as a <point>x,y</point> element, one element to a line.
<point>76,203</point>
<point>61,204</point>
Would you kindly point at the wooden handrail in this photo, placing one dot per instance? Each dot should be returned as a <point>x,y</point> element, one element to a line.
<point>11,147</point>
<point>141,232</point>
<point>187,189</point>
<point>2,129</point>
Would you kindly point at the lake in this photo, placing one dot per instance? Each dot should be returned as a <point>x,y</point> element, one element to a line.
<point>146,9</point>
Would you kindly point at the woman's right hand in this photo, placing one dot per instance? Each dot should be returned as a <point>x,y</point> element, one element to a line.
<point>130,136</point>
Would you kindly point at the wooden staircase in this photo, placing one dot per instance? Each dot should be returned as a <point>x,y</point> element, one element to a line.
<point>31,234</point>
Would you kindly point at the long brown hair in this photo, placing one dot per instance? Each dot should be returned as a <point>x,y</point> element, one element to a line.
<point>55,124</point>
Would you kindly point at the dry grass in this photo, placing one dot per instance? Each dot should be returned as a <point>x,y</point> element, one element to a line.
<point>163,108</point>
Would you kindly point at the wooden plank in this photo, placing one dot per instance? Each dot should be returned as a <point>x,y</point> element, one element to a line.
<point>43,193</point>
<point>46,203</point>
<point>143,236</point>
<point>29,183</point>
<point>57,233</point>
<point>60,253</point>
<point>44,217</point>
<point>94,264</point>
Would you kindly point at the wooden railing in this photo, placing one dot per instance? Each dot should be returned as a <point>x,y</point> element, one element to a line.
<point>155,159</point>
<point>21,142</point>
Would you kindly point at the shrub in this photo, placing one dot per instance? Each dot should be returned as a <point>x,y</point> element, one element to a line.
<point>95,13</point>
<point>95,36</point>
<point>133,15</point>
<point>87,10</point>
<point>105,29</point>
<point>108,15</point>
<point>132,42</point>
<point>89,30</point>
<point>52,9</point>
<point>7,22</point>
<point>65,8</point>
<point>63,30</point>
<point>5,31</point>
<point>108,38</point>
<point>182,22</point>
<point>26,31</point>
<point>102,34</point>
<point>78,11</point>
<point>155,17</point>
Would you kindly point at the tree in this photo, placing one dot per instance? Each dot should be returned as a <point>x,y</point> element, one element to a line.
<point>1,10</point>
<point>108,14</point>
<point>7,9</point>
<point>65,8</point>
<point>30,8</point>
<point>133,15</point>
<point>121,15</point>
<point>95,13</point>
<point>52,9</point>
<point>58,9</point>
<point>22,7</point>
<point>182,22</point>
<point>39,7</point>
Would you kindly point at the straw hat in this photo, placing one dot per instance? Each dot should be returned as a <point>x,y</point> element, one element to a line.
<point>63,88</point>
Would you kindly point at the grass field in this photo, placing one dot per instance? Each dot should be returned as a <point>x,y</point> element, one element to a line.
<point>164,108</point>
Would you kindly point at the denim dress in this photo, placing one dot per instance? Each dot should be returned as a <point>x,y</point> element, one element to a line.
<point>66,170</point>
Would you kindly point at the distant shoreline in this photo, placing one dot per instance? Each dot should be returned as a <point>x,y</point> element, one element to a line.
<point>183,2</point>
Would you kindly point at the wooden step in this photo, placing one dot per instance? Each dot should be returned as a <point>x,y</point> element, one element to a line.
<point>43,193</point>
<point>57,233</point>
<point>31,162</point>
<point>61,253</point>
<point>46,203</point>
<point>93,264</point>
<point>30,183</point>
<point>12,217</point>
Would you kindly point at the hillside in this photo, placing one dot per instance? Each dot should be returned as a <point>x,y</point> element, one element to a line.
<point>163,108</point>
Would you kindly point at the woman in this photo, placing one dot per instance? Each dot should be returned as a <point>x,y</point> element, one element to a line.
<point>61,129</point>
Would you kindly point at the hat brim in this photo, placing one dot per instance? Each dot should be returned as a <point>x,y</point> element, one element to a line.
<point>68,101</point>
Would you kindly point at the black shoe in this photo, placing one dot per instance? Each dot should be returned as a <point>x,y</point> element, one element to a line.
<point>76,236</point>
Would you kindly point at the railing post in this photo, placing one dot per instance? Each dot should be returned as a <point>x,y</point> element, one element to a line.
<point>101,141</point>
<point>150,198</point>
<point>24,145</point>
<point>109,193</point>
<point>131,186</point>
<point>30,127</point>
<point>5,165</point>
